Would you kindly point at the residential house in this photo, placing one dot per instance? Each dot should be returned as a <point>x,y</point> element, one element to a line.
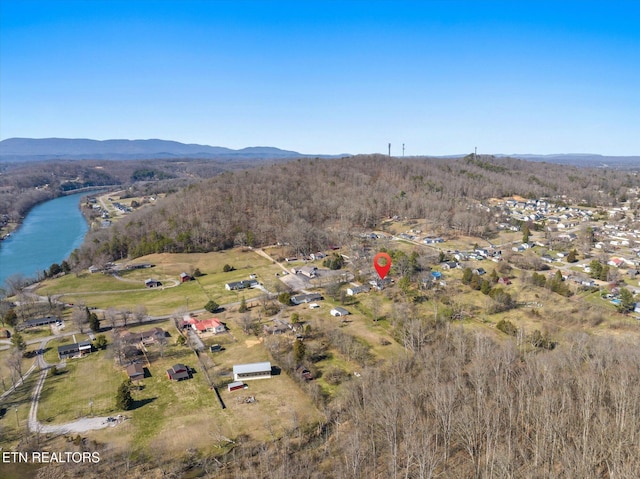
<point>308,270</point>
<point>306,298</point>
<point>135,371</point>
<point>211,325</point>
<point>278,327</point>
<point>34,323</point>
<point>353,290</point>
<point>152,283</point>
<point>149,336</point>
<point>74,350</point>
<point>244,284</point>
<point>178,372</point>
<point>617,262</point>
<point>338,311</point>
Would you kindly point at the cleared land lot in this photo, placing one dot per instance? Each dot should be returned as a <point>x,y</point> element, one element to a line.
<point>105,291</point>
<point>168,415</point>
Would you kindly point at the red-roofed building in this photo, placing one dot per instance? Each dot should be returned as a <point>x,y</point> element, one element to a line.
<point>211,325</point>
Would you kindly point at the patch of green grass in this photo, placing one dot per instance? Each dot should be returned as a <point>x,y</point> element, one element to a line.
<point>86,283</point>
<point>13,428</point>
<point>86,385</point>
<point>104,291</point>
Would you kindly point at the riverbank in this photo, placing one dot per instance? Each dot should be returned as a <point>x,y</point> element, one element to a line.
<point>48,234</point>
<point>9,226</point>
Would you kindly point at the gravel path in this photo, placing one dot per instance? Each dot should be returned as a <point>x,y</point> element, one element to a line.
<point>81,425</point>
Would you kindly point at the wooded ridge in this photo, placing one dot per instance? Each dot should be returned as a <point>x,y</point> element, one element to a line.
<point>309,203</point>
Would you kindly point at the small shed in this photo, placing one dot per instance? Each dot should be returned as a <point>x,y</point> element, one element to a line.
<point>184,278</point>
<point>338,311</point>
<point>234,386</point>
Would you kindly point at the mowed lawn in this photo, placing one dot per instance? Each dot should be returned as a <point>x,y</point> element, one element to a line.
<point>168,415</point>
<point>86,385</point>
<point>105,291</point>
<point>175,416</point>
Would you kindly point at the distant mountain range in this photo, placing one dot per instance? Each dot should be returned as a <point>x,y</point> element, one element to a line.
<point>577,159</point>
<point>40,149</point>
<point>583,159</point>
<point>32,149</point>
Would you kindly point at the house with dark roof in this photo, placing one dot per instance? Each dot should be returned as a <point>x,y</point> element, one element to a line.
<point>34,323</point>
<point>305,298</point>
<point>74,350</point>
<point>135,371</point>
<point>145,337</point>
<point>178,372</point>
<point>152,283</point>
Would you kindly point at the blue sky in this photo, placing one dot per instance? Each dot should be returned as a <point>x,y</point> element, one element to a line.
<point>331,77</point>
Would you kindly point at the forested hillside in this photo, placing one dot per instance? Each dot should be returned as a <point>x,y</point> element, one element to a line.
<point>467,406</point>
<point>311,203</point>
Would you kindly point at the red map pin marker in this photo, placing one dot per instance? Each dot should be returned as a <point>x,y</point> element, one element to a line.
<point>382,269</point>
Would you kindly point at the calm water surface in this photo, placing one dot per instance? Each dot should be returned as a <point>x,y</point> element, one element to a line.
<point>49,233</point>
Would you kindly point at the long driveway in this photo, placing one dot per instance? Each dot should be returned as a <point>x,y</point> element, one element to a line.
<point>81,425</point>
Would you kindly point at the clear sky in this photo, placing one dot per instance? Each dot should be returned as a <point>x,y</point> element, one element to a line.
<point>331,77</point>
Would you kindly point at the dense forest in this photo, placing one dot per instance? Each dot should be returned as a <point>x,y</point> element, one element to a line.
<point>463,406</point>
<point>23,185</point>
<point>468,406</point>
<point>309,204</point>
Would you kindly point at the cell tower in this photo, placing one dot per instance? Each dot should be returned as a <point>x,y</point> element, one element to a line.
<point>389,149</point>
<point>403,150</point>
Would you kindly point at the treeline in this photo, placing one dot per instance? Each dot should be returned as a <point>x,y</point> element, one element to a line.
<point>464,405</point>
<point>309,204</point>
<point>23,185</point>
<point>468,406</point>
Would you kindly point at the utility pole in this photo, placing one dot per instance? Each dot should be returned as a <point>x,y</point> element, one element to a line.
<point>475,153</point>
<point>403,150</point>
<point>389,149</point>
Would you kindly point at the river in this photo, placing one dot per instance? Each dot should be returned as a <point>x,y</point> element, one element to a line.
<point>49,233</point>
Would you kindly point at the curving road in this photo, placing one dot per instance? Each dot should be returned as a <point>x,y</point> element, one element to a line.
<point>81,425</point>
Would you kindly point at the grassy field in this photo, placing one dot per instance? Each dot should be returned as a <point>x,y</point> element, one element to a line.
<point>66,397</point>
<point>14,412</point>
<point>168,415</point>
<point>105,291</point>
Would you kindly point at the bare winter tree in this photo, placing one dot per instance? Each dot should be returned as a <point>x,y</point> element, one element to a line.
<point>140,313</point>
